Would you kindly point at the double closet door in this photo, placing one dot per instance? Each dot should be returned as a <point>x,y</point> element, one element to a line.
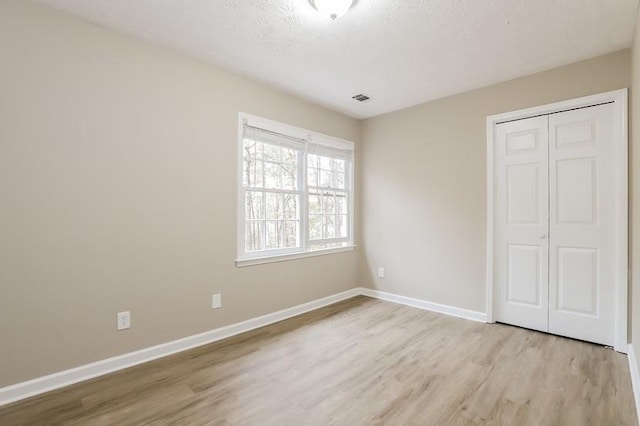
<point>554,245</point>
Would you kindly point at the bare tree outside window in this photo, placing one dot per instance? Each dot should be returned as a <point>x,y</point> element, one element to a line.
<point>270,177</point>
<point>328,198</point>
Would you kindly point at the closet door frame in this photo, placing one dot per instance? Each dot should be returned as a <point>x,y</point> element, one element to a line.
<point>620,144</point>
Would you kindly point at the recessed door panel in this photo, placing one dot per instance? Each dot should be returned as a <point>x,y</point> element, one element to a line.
<point>578,280</point>
<point>521,142</point>
<point>523,274</point>
<point>576,192</point>
<point>523,194</point>
<point>575,133</point>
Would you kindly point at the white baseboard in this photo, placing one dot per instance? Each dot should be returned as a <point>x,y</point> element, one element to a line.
<point>50,382</point>
<point>423,304</point>
<point>54,381</point>
<point>635,378</point>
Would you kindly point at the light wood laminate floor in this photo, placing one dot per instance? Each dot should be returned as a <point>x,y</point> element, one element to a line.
<point>358,362</point>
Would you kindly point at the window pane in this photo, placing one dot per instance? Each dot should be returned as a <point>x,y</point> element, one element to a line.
<point>337,180</point>
<point>258,175</point>
<point>315,226</point>
<point>291,234</point>
<point>312,177</point>
<point>248,170</point>
<point>274,206</point>
<point>252,173</point>
<point>328,226</point>
<point>289,156</point>
<point>290,207</point>
<point>254,231</point>
<point>325,178</point>
<point>253,208</point>
<point>328,203</point>
<point>337,165</point>
<point>289,177</point>
<point>312,161</point>
<point>341,225</point>
<point>325,163</point>
<point>314,203</point>
<point>271,152</point>
<point>249,149</point>
<point>259,150</point>
<point>273,234</point>
<point>272,175</point>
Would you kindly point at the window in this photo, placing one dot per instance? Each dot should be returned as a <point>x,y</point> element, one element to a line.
<point>296,193</point>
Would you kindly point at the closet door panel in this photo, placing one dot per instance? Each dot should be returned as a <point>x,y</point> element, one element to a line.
<point>521,220</point>
<point>581,244</point>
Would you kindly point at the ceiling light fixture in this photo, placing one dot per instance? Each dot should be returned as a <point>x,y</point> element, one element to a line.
<point>332,8</point>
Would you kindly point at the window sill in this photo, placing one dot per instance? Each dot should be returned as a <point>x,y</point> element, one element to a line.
<point>241,263</point>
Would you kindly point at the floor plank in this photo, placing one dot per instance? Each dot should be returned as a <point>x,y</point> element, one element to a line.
<point>358,362</point>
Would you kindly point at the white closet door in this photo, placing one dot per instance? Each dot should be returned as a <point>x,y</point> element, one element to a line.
<point>521,223</point>
<point>581,244</point>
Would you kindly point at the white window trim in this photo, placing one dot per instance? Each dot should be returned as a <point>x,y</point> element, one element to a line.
<point>318,138</point>
<point>250,261</point>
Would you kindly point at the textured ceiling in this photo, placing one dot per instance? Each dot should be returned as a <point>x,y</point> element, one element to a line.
<point>399,52</point>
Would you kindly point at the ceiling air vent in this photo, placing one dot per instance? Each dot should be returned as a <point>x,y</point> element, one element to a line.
<point>361,97</point>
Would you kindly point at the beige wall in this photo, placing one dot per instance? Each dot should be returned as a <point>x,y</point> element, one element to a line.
<point>118,192</point>
<point>424,181</point>
<point>634,170</point>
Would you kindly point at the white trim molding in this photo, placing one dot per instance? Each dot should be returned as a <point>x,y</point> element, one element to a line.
<point>54,381</point>
<point>635,378</point>
<point>61,379</point>
<point>619,98</point>
<point>428,306</point>
<point>241,263</point>
<point>304,143</point>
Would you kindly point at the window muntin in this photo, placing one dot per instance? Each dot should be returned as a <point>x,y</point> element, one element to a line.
<point>271,183</point>
<point>296,195</point>
<point>327,198</point>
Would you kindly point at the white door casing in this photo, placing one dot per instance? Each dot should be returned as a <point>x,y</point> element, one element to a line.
<point>521,217</point>
<point>587,290</point>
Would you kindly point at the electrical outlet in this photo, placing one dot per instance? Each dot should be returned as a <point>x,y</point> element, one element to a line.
<point>124,320</point>
<point>216,301</point>
<point>381,272</point>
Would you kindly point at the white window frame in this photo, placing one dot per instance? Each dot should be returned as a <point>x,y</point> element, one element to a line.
<point>311,140</point>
